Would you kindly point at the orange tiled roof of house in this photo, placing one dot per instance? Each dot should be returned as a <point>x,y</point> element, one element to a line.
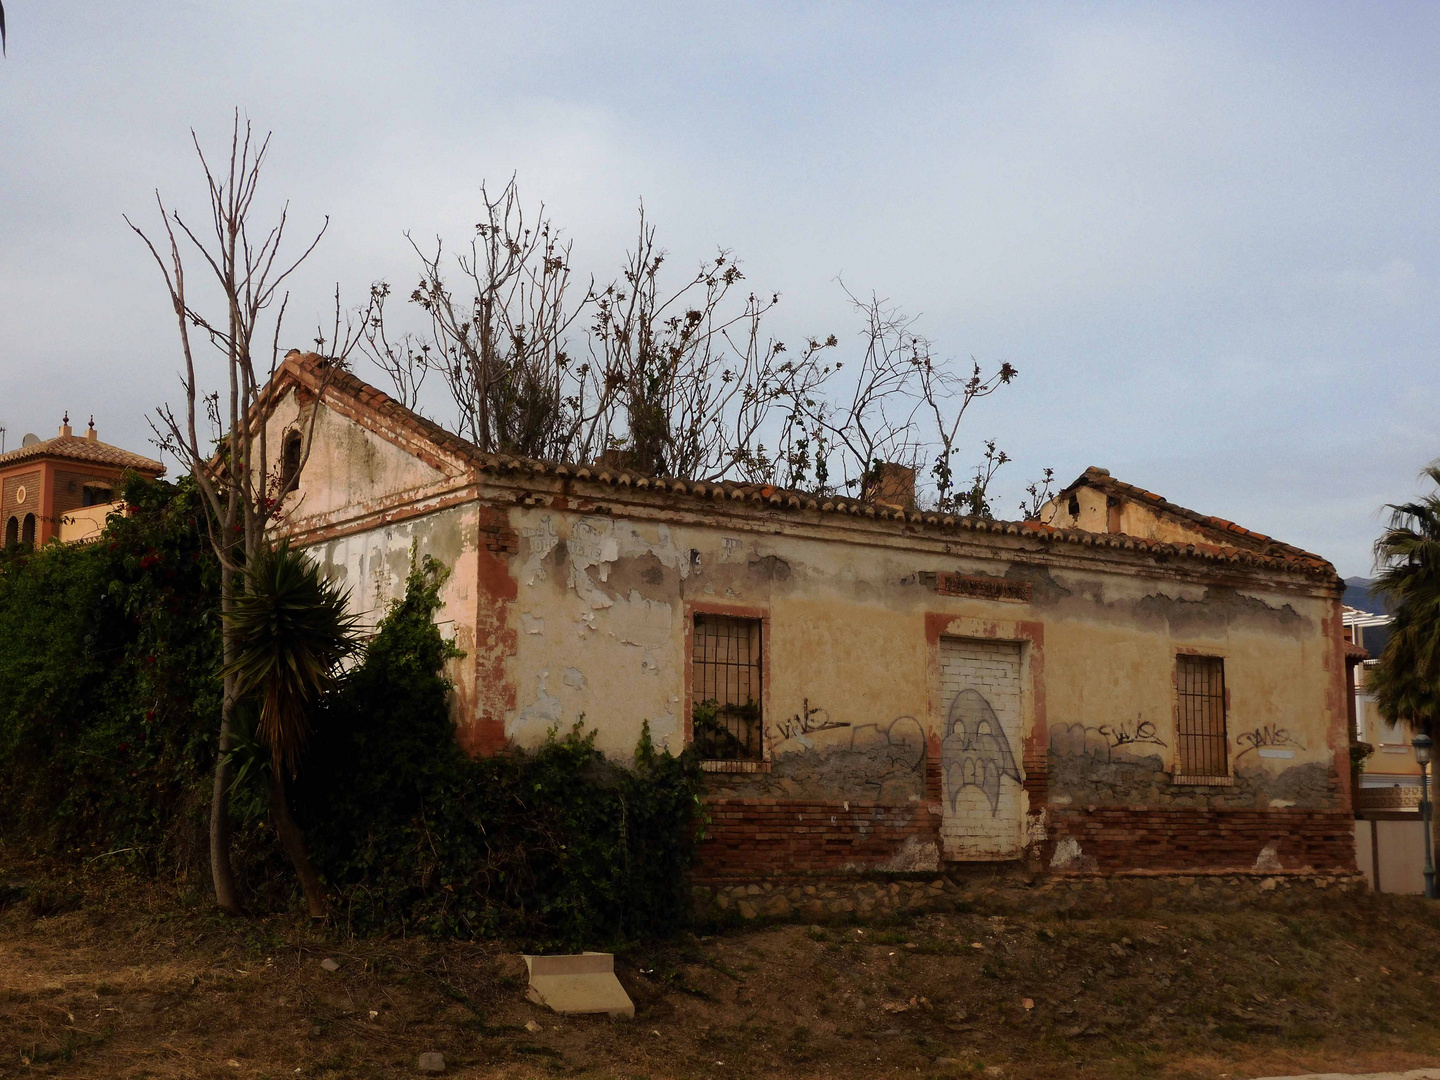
<point>79,448</point>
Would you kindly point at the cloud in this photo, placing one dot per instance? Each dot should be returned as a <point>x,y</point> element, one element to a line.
<point>1206,236</point>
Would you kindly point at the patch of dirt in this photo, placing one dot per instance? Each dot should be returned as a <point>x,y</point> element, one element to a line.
<point>125,979</point>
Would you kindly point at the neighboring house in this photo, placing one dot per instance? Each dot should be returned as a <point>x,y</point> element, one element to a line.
<point>1132,687</point>
<point>64,488</point>
<point>1390,778</point>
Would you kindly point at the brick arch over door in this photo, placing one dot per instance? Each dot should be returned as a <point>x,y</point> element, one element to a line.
<point>27,530</point>
<point>12,531</point>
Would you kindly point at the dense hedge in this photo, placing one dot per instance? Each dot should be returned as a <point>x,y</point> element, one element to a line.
<point>107,686</point>
<point>109,702</point>
<point>558,844</point>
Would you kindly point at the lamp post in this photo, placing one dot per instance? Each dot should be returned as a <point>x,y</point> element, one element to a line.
<point>1423,747</point>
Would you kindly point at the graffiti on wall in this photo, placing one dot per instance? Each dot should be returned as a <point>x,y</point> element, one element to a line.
<point>1126,733</point>
<point>1266,737</point>
<point>807,721</point>
<point>976,752</point>
<point>1112,741</point>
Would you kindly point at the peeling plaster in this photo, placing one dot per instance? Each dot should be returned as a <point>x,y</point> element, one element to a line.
<point>541,542</point>
<point>665,732</point>
<point>543,713</point>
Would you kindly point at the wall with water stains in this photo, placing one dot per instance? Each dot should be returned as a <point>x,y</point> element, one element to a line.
<point>575,600</point>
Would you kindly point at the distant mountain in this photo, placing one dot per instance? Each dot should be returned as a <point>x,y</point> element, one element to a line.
<point>1358,595</point>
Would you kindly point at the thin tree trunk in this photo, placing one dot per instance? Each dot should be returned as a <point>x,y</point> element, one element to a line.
<point>222,872</point>
<point>294,841</point>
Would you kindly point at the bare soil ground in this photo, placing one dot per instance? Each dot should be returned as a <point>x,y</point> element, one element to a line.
<point>101,976</point>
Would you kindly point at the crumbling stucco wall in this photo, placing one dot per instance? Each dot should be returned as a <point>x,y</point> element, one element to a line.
<point>373,566</point>
<point>354,508</point>
<point>854,707</point>
<point>348,467</point>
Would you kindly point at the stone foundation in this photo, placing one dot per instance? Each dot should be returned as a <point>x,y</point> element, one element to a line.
<point>996,890</point>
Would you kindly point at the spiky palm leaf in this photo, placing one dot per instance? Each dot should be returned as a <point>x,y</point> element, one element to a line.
<point>1406,681</point>
<point>291,631</point>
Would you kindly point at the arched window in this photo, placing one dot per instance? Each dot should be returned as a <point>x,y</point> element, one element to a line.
<point>290,462</point>
<point>27,530</point>
<point>12,531</point>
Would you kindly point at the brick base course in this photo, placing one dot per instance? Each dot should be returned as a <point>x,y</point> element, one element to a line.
<point>1114,839</point>
<point>754,839</point>
<point>748,838</point>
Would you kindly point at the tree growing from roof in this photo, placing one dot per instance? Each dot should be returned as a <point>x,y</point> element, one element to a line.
<point>216,435</point>
<point>1406,679</point>
<point>674,376</point>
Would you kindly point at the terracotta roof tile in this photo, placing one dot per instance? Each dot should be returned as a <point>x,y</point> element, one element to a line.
<point>1273,555</point>
<point>77,448</point>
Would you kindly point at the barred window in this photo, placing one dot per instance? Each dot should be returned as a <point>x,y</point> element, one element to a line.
<point>725,687</point>
<point>1200,723</point>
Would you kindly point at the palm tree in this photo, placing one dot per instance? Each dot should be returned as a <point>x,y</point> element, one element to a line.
<point>1406,681</point>
<point>291,631</point>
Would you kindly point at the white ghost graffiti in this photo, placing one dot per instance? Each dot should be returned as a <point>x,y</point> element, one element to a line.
<point>976,752</point>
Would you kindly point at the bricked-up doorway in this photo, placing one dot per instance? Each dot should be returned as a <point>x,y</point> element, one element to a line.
<point>980,754</point>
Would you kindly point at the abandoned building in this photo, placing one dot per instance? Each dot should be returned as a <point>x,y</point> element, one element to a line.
<point>64,488</point>
<point>1131,686</point>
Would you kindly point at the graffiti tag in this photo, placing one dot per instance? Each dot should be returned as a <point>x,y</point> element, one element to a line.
<point>1266,736</point>
<point>807,721</point>
<point>1123,734</point>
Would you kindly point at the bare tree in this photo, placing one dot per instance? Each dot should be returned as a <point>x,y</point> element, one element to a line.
<point>1037,494</point>
<point>227,450</point>
<point>677,378</point>
<point>498,338</point>
<point>698,381</point>
<point>404,360</point>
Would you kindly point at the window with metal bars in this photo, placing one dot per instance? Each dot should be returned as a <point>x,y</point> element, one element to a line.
<point>726,687</point>
<point>1200,721</point>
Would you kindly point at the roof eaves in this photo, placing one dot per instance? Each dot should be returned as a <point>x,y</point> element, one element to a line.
<point>731,491</point>
<point>306,367</point>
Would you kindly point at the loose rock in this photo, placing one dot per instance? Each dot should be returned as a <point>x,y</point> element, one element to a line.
<point>431,1062</point>
<point>329,964</point>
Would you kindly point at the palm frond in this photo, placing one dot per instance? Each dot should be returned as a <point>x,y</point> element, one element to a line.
<point>291,630</point>
<point>1406,681</point>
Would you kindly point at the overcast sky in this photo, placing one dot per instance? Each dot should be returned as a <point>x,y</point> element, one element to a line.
<point>1206,234</point>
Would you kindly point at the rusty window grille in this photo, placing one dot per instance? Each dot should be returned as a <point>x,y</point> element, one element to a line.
<point>1200,724</point>
<point>725,688</point>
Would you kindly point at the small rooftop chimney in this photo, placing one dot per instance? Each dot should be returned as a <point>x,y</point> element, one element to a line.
<point>65,425</point>
<point>891,485</point>
<point>90,432</point>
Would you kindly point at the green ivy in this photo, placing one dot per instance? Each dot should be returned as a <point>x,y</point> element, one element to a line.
<point>109,705</point>
<point>556,846</point>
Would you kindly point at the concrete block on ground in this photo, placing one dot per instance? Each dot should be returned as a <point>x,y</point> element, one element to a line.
<point>578,983</point>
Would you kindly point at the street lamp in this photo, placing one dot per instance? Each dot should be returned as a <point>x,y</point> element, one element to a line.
<point>1423,747</point>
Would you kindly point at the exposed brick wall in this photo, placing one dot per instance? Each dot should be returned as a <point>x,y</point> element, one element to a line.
<point>9,507</point>
<point>1128,838</point>
<point>973,828</point>
<point>70,489</point>
<point>750,838</point>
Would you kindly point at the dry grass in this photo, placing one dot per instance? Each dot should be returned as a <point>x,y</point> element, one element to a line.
<point>101,976</point>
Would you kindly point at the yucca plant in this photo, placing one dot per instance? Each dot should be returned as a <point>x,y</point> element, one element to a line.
<point>1406,681</point>
<point>291,631</point>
